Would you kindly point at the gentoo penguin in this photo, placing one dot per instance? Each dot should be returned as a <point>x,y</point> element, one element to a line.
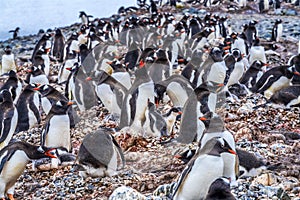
<point>273,80</point>
<point>250,165</point>
<point>277,30</point>
<point>136,101</point>
<point>16,32</point>
<point>28,108</point>
<point>44,43</point>
<point>36,75</point>
<point>176,87</point>
<point>239,42</point>
<point>84,17</point>
<point>295,61</point>
<point>56,131</point>
<point>153,7</point>
<point>120,73</point>
<point>214,67</point>
<point>13,84</point>
<point>8,61</point>
<point>171,117</point>
<point>154,125</point>
<point>80,88</point>
<point>99,154</point>
<point>289,96</point>
<point>220,190</point>
<point>250,31</point>
<point>235,66</point>
<point>14,159</point>
<point>257,52</point>
<point>42,59</point>
<point>58,45</point>
<point>8,118</point>
<point>202,102</point>
<point>263,5</point>
<point>206,166</point>
<point>49,96</point>
<point>253,73</point>
<point>110,92</point>
<point>215,128</point>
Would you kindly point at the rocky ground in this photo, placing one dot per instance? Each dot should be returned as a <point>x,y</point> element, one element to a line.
<point>270,133</point>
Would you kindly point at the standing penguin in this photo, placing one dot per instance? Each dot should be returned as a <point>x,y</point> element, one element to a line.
<point>8,61</point>
<point>220,190</point>
<point>16,32</point>
<point>44,43</point>
<point>13,84</point>
<point>252,74</point>
<point>13,159</point>
<point>257,52</point>
<point>56,131</point>
<point>28,108</point>
<point>155,125</point>
<point>120,73</point>
<point>42,59</point>
<point>84,17</point>
<point>98,154</point>
<point>277,30</point>
<point>49,96</point>
<point>263,5</point>
<point>8,118</point>
<point>204,168</point>
<point>58,45</point>
<point>136,101</point>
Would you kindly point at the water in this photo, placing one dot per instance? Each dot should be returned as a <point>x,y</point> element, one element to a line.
<point>33,15</point>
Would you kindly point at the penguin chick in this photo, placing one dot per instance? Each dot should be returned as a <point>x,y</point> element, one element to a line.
<point>220,190</point>
<point>204,168</point>
<point>289,96</point>
<point>99,154</point>
<point>173,115</point>
<point>65,159</point>
<point>14,159</point>
<point>155,125</point>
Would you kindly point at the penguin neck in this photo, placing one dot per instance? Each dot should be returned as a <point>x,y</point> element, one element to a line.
<point>29,149</point>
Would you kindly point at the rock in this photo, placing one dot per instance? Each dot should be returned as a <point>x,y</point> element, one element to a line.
<point>267,179</point>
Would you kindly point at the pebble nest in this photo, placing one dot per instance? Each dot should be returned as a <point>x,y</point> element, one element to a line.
<point>272,133</point>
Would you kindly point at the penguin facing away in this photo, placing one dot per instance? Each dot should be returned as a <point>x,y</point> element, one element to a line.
<point>13,159</point>
<point>8,118</point>
<point>205,167</point>
<point>99,154</point>
<point>58,45</point>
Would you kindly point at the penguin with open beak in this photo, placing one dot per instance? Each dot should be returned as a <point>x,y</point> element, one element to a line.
<point>99,154</point>
<point>206,166</point>
<point>13,159</point>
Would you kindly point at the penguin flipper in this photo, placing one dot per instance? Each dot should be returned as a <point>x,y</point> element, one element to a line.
<point>6,127</point>
<point>35,112</point>
<point>44,134</point>
<point>119,149</point>
<point>5,158</point>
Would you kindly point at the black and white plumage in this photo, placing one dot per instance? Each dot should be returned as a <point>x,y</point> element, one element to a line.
<point>36,75</point>
<point>220,190</point>
<point>277,30</point>
<point>43,44</point>
<point>15,32</point>
<point>28,108</point>
<point>289,96</point>
<point>13,84</point>
<point>257,52</point>
<point>160,69</point>
<point>99,154</point>
<point>8,61</point>
<point>13,159</point>
<point>58,45</point>
<point>253,73</point>
<point>8,118</point>
<point>206,166</point>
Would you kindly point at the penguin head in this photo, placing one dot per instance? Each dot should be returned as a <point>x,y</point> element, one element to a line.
<point>82,13</point>
<point>32,87</point>
<point>43,151</point>
<point>60,107</point>
<point>12,74</point>
<point>257,65</point>
<point>5,96</point>
<point>46,89</point>
<point>58,32</point>
<point>220,186</point>
<point>216,54</point>
<point>7,50</point>
<point>216,146</point>
<point>237,54</point>
<point>278,21</point>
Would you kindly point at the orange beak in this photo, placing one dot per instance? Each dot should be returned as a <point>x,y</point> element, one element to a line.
<point>221,84</point>
<point>68,68</point>
<point>202,118</point>
<point>88,79</point>
<point>231,151</point>
<point>36,89</point>
<point>297,73</point>
<point>50,154</point>
<point>70,103</point>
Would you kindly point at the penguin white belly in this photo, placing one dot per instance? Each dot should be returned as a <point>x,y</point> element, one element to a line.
<point>177,94</point>
<point>257,53</point>
<point>59,132</point>
<point>123,78</point>
<point>46,63</point>
<point>201,43</point>
<point>8,63</point>
<point>236,74</point>
<point>200,124</point>
<point>46,105</point>
<point>108,98</point>
<point>239,44</point>
<point>217,72</point>
<point>170,122</point>
<point>113,163</point>
<point>146,91</point>
<point>31,116</point>
<point>266,4</point>
<point>82,39</point>
<point>63,74</point>
<point>205,170</point>
<point>212,101</point>
<point>282,82</point>
<point>13,169</point>
<point>40,79</point>
<point>18,92</point>
<point>293,102</point>
<point>279,32</point>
